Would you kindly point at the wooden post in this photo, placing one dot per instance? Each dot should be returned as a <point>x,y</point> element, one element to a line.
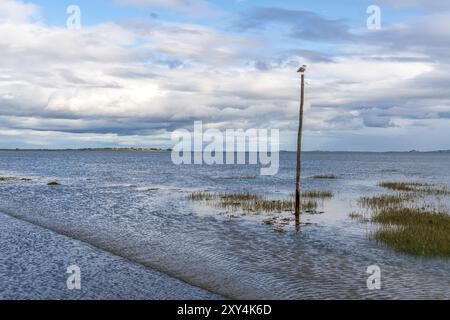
<point>299,149</point>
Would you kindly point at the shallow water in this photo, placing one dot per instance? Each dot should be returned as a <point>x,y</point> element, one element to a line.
<point>134,205</point>
<point>34,262</point>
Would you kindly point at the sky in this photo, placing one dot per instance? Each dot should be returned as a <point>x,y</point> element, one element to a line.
<point>137,70</point>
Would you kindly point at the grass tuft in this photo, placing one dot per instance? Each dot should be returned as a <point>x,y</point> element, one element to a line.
<point>279,230</point>
<point>200,196</point>
<point>414,230</point>
<point>356,216</point>
<point>417,187</point>
<point>317,194</point>
<point>326,177</point>
<point>401,186</point>
<point>385,201</point>
<point>251,202</point>
<point>412,216</point>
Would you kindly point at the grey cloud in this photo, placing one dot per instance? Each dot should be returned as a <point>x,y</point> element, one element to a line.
<point>345,121</point>
<point>427,36</point>
<point>305,25</point>
<point>191,7</point>
<point>119,126</point>
<point>376,121</point>
<point>314,56</point>
<point>445,114</point>
<point>262,66</point>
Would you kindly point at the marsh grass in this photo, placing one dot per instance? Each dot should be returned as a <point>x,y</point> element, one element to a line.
<point>385,201</point>
<point>200,196</point>
<point>260,205</point>
<point>238,196</point>
<point>414,230</point>
<point>416,240</point>
<point>412,216</point>
<point>417,187</point>
<point>326,177</point>
<point>355,215</point>
<point>250,202</point>
<point>358,217</point>
<point>405,222</point>
<point>318,194</point>
<point>401,186</point>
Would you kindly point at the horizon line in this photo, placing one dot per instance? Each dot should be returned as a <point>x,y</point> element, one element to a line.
<point>154,149</point>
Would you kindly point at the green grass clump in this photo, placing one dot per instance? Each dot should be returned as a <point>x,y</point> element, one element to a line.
<point>317,194</point>
<point>414,230</point>
<point>308,205</point>
<point>401,186</point>
<point>228,197</point>
<point>239,196</point>
<point>413,216</point>
<point>405,227</point>
<point>259,205</point>
<point>358,217</point>
<point>279,230</point>
<point>355,215</point>
<point>326,177</point>
<point>421,241</point>
<point>386,201</point>
<point>417,187</point>
<point>200,196</point>
<point>250,202</point>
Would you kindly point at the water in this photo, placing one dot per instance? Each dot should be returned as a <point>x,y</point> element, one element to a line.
<point>34,261</point>
<point>134,205</point>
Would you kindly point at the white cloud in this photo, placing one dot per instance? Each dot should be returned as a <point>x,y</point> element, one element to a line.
<point>12,11</point>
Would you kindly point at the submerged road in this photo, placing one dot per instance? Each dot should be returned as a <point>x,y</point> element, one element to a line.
<point>34,262</point>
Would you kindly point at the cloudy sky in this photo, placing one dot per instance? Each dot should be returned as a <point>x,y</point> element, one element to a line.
<point>137,70</point>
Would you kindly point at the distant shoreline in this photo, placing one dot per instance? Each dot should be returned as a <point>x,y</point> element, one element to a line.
<point>89,150</point>
<point>169,150</point>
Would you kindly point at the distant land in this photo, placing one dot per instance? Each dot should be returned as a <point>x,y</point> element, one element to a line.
<point>343,151</point>
<point>95,149</point>
<point>131,149</point>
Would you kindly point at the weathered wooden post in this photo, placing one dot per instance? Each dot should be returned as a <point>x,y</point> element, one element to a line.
<point>299,148</point>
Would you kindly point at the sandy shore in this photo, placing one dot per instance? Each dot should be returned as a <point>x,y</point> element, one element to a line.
<point>34,261</point>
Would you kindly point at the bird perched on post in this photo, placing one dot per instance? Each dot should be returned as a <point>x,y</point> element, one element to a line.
<point>302,69</point>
